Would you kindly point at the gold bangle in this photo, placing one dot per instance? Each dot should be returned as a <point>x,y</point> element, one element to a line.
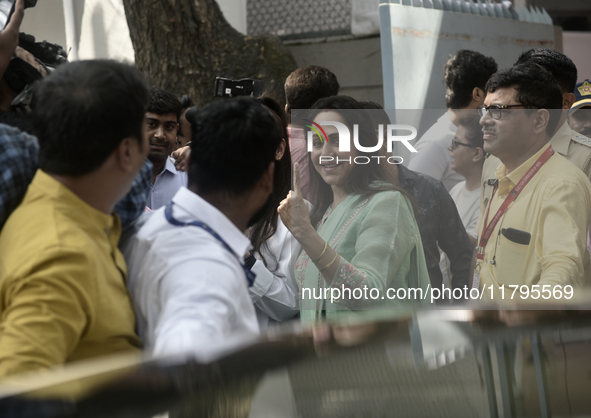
<point>330,264</point>
<point>323,251</point>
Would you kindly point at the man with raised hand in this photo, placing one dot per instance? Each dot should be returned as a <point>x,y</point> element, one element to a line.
<point>533,230</point>
<point>19,151</point>
<point>62,278</point>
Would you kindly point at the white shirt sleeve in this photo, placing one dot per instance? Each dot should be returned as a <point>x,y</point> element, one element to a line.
<point>203,302</point>
<point>275,291</point>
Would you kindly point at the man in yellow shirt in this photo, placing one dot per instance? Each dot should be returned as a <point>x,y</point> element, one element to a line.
<point>533,231</point>
<point>567,141</point>
<point>63,295</point>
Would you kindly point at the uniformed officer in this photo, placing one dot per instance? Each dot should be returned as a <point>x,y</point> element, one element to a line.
<point>580,120</point>
<point>575,146</point>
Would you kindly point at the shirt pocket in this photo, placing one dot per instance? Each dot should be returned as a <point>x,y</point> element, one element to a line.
<point>511,260</point>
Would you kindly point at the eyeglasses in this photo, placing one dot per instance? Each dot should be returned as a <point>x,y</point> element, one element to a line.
<point>455,144</point>
<point>494,110</point>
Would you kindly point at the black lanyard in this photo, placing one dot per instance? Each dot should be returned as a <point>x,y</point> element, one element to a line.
<point>250,276</point>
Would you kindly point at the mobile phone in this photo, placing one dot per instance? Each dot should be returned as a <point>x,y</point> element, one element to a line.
<point>225,87</point>
<point>517,236</point>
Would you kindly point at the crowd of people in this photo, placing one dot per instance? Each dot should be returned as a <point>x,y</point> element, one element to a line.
<point>132,219</point>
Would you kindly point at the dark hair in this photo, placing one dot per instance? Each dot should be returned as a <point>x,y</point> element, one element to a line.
<point>474,134</point>
<point>559,65</point>
<point>464,71</point>
<point>536,89</point>
<point>191,115</point>
<point>186,101</point>
<point>83,110</point>
<point>162,102</point>
<point>360,178</point>
<point>380,117</point>
<point>233,143</point>
<point>305,86</point>
<point>370,105</point>
<point>267,226</point>
<point>377,114</point>
<point>277,112</point>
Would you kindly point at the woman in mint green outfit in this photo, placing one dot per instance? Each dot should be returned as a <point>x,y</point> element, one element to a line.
<point>361,238</point>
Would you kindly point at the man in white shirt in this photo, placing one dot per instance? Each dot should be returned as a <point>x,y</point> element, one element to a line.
<point>467,158</point>
<point>187,277</point>
<point>466,74</point>
<point>162,125</point>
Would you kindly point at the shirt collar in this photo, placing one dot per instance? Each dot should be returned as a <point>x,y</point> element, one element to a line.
<point>70,203</point>
<point>517,174</point>
<point>194,207</point>
<point>169,166</point>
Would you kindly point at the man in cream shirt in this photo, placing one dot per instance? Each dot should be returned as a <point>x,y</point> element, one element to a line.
<point>574,146</point>
<point>540,238</point>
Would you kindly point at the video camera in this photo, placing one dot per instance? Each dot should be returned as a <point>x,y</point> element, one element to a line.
<point>225,87</point>
<point>21,76</point>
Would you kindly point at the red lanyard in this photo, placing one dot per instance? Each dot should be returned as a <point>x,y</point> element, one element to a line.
<point>487,230</point>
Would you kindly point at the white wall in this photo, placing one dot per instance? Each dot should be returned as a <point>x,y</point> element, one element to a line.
<point>576,46</point>
<point>416,43</point>
<point>101,27</point>
<point>46,22</point>
<point>103,31</point>
<point>235,13</point>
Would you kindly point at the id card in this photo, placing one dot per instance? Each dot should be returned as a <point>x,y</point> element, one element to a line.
<point>476,278</point>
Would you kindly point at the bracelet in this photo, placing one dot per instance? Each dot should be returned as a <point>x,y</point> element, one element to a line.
<point>330,264</point>
<point>323,251</point>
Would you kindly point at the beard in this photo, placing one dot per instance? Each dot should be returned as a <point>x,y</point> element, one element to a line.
<point>262,212</point>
